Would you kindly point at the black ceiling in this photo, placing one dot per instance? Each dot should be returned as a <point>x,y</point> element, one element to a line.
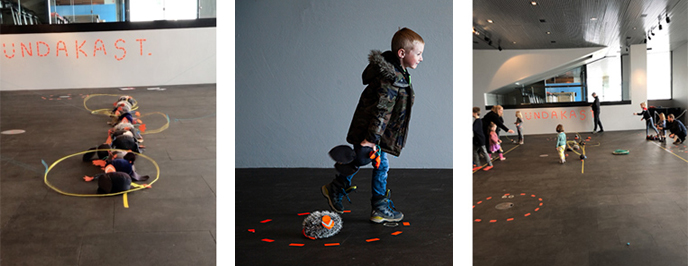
<point>551,24</point>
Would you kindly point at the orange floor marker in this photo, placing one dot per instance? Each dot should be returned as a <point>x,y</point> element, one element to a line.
<point>296,245</point>
<point>252,230</point>
<point>267,240</point>
<point>537,209</point>
<point>372,239</point>
<point>304,213</point>
<point>477,220</point>
<point>488,198</point>
<point>493,221</point>
<point>396,233</point>
<point>510,219</point>
<point>527,214</point>
<point>347,211</point>
<point>331,244</point>
<point>479,202</point>
<point>406,223</point>
<point>265,221</point>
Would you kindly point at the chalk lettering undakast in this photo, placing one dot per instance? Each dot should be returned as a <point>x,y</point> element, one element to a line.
<point>561,115</point>
<point>43,49</point>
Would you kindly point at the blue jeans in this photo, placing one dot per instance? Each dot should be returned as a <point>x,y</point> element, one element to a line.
<point>649,123</point>
<point>379,181</point>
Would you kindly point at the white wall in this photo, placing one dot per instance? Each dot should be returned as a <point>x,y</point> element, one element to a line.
<point>679,62</point>
<point>494,69</point>
<point>298,78</point>
<point>107,59</point>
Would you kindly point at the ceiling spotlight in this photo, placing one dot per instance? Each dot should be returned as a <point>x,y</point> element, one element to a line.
<point>660,26</point>
<point>593,18</point>
<point>549,32</point>
<point>667,18</point>
<point>649,38</point>
<point>653,34</point>
<point>533,3</point>
<point>490,21</point>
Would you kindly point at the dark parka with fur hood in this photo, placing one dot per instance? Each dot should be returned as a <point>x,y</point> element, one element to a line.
<point>384,109</point>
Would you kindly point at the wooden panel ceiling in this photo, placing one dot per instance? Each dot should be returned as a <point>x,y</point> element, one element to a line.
<point>517,24</point>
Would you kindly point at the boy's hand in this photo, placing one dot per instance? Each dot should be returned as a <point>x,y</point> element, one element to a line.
<point>511,131</point>
<point>366,143</point>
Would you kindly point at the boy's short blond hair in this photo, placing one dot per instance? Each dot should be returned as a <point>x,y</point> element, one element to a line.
<point>519,115</point>
<point>404,39</point>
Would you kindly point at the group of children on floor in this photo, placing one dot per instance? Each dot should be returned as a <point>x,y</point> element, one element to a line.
<point>486,141</point>
<point>676,128</point>
<point>117,155</point>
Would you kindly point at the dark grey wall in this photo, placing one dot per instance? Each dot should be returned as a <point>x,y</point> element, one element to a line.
<point>298,78</point>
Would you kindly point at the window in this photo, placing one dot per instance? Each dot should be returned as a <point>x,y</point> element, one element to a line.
<point>604,78</point>
<point>658,75</point>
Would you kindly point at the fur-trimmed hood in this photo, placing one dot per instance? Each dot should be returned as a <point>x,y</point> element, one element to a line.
<point>380,65</point>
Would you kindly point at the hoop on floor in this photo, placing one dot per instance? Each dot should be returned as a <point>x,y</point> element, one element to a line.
<point>45,177</point>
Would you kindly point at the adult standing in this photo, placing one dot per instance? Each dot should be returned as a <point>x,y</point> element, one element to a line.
<point>596,114</point>
<point>494,116</point>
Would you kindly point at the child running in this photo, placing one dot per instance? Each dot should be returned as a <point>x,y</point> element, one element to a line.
<point>561,143</point>
<point>648,120</point>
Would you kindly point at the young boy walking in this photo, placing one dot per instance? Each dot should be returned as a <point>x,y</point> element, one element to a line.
<point>380,123</point>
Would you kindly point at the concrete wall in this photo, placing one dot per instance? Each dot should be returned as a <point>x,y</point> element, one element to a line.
<point>298,78</point>
<point>107,59</point>
<point>494,69</point>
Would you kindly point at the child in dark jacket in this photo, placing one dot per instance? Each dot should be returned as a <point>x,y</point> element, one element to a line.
<point>479,142</point>
<point>648,120</point>
<point>380,123</point>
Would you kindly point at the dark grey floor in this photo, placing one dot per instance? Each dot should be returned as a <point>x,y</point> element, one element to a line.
<point>173,223</point>
<point>609,210</point>
<point>424,196</point>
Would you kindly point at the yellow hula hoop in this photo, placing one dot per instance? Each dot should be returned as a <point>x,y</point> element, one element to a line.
<point>161,129</point>
<point>45,177</point>
<point>104,111</point>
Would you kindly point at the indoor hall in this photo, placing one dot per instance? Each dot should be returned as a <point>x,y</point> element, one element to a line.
<point>59,83</point>
<point>620,196</point>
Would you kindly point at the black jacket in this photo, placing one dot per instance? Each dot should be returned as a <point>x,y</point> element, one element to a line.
<point>494,118</point>
<point>384,109</point>
<point>478,135</point>
<point>596,105</point>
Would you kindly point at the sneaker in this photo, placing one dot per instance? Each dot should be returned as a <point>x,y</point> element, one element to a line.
<point>487,168</point>
<point>335,194</point>
<point>477,168</point>
<point>384,211</point>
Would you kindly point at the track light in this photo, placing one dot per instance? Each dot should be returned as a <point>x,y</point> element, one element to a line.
<point>660,26</point>
<point>653,34</point>
<point>649,38</point>
<point>667,18</point>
